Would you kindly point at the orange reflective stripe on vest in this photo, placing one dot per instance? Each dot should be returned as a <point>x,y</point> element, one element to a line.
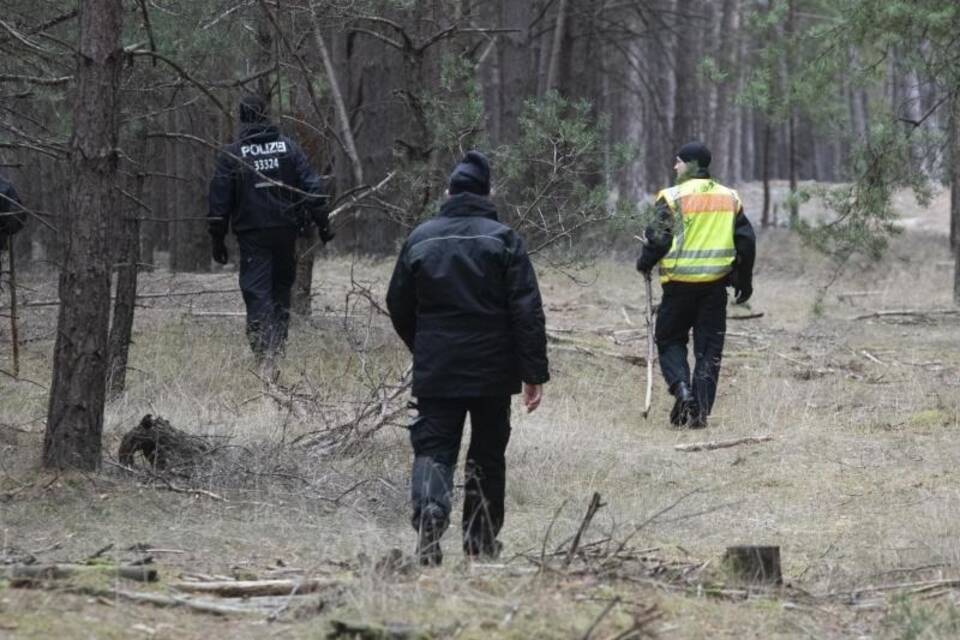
<point>704,217</point>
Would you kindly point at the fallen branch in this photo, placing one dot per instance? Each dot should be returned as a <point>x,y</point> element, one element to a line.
<point>248,588</point>
<point>721,444</point>
<point>921,313</point>
<point>748,316</point>
<point>578,347</point>
<point>20,575</point>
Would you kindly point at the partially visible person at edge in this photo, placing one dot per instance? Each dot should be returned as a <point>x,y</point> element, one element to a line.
<point>702,242</point>
<point>465,300</point>
<point>264,188</point>
<point>12,215</point>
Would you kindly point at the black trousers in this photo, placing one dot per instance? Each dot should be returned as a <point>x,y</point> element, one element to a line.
<point>702,308</point>
<point>436,437</point>
<point>268,267</point>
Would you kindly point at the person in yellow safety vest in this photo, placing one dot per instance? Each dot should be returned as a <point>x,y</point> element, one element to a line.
<point>702,242</point>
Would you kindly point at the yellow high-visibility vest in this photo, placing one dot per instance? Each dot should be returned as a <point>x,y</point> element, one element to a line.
<point>704,216</point>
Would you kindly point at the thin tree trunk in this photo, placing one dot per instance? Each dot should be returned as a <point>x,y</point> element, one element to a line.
<point>343,120</point>
<point>128,269</point>
<point>75,416</point>
<point>765,171</point>
<point>792,118</point>
<point>955,191</point>
<point>557,46</point>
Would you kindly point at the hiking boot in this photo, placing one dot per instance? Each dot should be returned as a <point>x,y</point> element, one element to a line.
<point>698,420</point>
<point>481,550</point>
<point>430,531</point>
<point>685,407</point>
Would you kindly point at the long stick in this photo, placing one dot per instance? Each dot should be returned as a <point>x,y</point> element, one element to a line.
<point>14,334</point>
<point>649,397</point>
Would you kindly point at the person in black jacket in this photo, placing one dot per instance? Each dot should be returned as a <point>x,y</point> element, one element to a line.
<point>12,215</point>
<point>464,299</point>
<point>265,189</point>
<point>699,257</point>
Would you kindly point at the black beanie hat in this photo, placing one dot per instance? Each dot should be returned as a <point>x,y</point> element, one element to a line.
<point>471,174</point>
<point>695,152</point>
<point>252,109</point>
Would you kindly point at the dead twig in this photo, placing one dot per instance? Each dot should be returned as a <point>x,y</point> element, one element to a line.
<point>721,444</point>
<point>595,505</point>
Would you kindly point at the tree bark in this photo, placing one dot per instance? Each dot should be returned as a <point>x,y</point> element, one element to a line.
<point>792,115</point>
<point>75,416</point>
<point>556,48</point>
<point>128,269</point>
<point>955,191</point>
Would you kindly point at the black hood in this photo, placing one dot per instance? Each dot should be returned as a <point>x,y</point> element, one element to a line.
<point>468,204</point>
<point>257,130</point>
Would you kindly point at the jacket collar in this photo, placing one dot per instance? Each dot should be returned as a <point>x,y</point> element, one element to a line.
<point>258,130</point>
<point>468,204</point>
<point>697,174</point>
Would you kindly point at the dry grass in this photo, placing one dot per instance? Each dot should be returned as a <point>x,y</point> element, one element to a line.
<point>858,486</point>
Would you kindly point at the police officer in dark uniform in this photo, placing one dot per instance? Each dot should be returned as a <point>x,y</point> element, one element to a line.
<point>465,300</point>
<point>265,189</point>
<point>12,215</point>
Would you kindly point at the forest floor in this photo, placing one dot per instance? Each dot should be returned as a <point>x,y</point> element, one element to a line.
<point>859,485</point>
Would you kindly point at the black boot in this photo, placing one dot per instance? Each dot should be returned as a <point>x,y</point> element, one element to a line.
<point>432,526</point>
<point>685,407</point>
<point>431,484</point>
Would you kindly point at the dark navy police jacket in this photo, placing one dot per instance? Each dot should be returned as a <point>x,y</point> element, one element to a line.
<point>246,201</point>
<point>465,300</point>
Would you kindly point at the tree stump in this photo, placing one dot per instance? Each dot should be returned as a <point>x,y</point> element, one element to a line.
<point>161,444</point>
<point>754,564</point>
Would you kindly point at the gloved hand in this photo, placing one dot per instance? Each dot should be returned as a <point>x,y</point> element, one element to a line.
<point>326,235</point>
<point>220,253</point>
<point>742,292</point>
<point>645,264</point>
<point>322,221</point>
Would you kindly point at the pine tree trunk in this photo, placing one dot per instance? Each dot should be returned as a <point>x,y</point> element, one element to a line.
<point>75,416</point>
<point>121,328</point>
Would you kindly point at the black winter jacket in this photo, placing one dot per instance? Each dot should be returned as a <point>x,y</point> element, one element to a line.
<point>12,216</point>
<point>244,200</point>
<point>464,298</point>
<point>659,234</point>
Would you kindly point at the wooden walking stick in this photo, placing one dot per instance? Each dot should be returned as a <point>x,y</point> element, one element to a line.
<point>650,324</point>
<point>13,310</point>
<point>650,341</point>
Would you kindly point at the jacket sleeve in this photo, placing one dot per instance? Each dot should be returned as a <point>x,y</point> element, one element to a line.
<point>527,320</point>
<point>311,182</point>
<point>223,195</point>
<point>659,234</point>
<point>12,214</point>
<point>745,242</point>
<point>402,300</point>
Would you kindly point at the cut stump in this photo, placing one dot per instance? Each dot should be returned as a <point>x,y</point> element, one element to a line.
<point>161,444</point>
<point>754,564</point>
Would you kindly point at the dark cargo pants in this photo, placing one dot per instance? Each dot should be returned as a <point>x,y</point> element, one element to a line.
<point>702,308</point>
<point>268,267</point>
<point>436,436</point>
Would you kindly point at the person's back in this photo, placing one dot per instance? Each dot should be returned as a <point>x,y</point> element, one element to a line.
<point>464,299</point>
<point>473,302</point>
<point>264,188</point>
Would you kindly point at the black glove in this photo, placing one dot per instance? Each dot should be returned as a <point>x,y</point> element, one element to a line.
<point>326,235</point>
<point>645,264</point>
<point>220,253</point>
<point>742,292</point>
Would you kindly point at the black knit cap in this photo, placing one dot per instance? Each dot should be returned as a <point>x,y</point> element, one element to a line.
<point>252,109</point>
<point>471,174</point>
<point>695,152</point>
